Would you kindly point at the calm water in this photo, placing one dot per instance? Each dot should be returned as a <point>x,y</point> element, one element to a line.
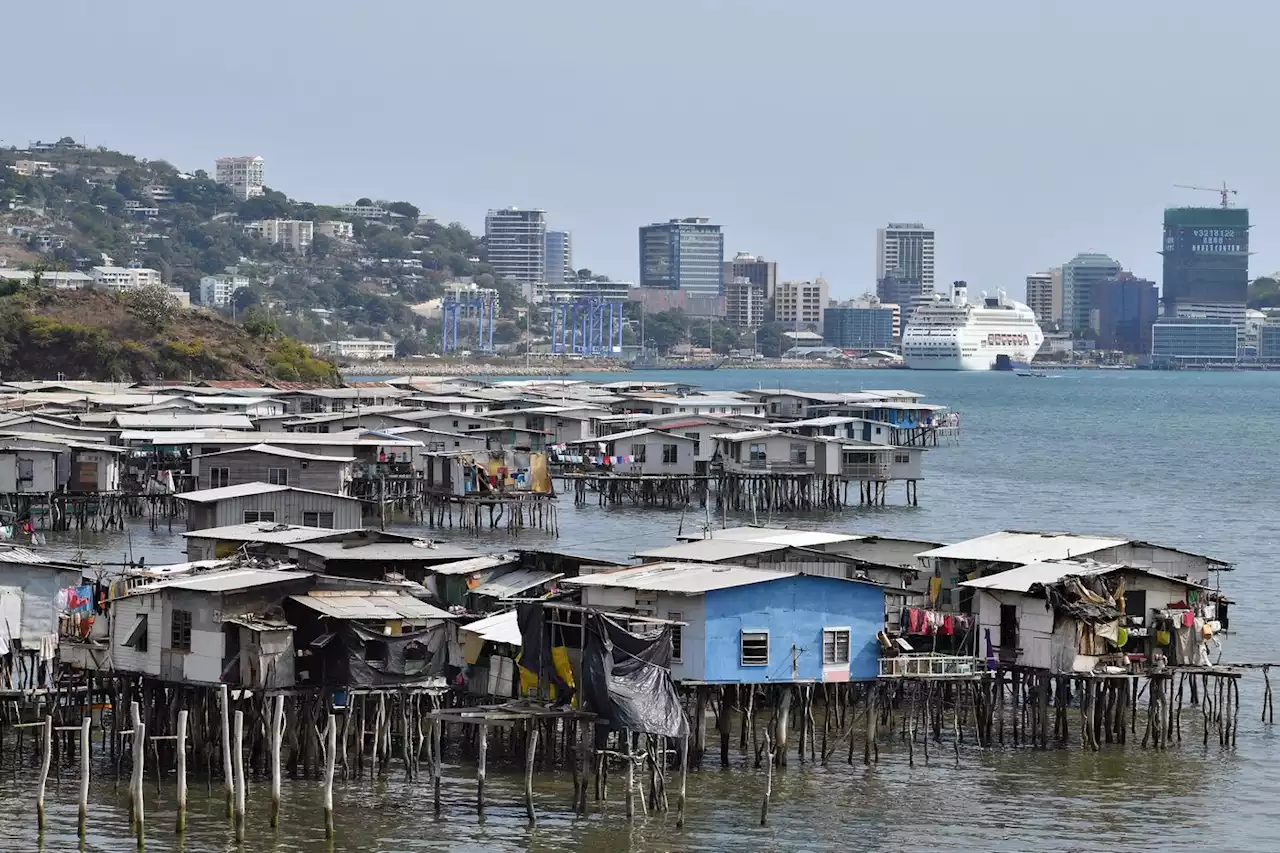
<point>1184,459</point>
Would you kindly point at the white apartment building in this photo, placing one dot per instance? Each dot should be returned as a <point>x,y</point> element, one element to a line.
<point>216,290</point>
<point>294,234</point>
<point>360,350</point>
<point>245,175</point>
<point>32,168</point>
<point>124,278</point>
<point>904,250</point>
<point>1044,296</point>
<point>516,243</point>
<point>337,229</point>
<point>801,303</point>
<point>363,211</point>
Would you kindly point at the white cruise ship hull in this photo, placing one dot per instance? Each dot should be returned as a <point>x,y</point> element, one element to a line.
<point>959,336</point>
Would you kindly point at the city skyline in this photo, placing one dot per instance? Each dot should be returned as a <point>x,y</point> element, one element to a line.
<point>1004,203</point>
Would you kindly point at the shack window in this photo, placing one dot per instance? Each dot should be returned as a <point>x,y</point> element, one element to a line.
<point>219,478</point>
<point>835,646</point>
<point>375,651</point>
<point>759,453</point>
<point>317,519</point>
<point>252,516</point>
<point>278,476</point>
<point>26,469</point>
<point>137,638</point>
<point>902,458</point>
<point>799,454</point>
<point>755,648</point>
<point>180,631</point>
<point>697,441</point>
<point>677,639</point>
<point>670,454</point>
<point>637,451</point>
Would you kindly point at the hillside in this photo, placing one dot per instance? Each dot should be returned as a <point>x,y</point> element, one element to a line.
<point>93,334</point>
<point>77,205</point>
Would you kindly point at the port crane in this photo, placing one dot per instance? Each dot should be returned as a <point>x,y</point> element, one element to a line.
<point>1223,191</point>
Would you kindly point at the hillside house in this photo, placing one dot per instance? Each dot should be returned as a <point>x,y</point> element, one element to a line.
<point>279,466</point>
<point>750,626</point>
<point>264,502</point>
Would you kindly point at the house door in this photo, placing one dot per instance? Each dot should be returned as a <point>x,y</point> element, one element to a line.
<point>1008,633</point>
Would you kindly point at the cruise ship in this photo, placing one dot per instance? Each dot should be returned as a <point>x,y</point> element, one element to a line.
<point>951,334</point>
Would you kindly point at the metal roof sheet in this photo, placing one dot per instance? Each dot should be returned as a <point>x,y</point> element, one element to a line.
<point>223,581</point>
<point>180,419</point>
<point>284,452</point>
<point>710,550</point>
<point>1022,578</point>
<point>476,564</point>
<point>499,628</point>
<point>265,531</point>
<point>416,551</point>
<point>689,578</point>
<point>514,583</point>
<point>369,604</point>
<point>1011,546</point>
<point>778,536</point>
<point>247,489</point>
<point>750,434</point>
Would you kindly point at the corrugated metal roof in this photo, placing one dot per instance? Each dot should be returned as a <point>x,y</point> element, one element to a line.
<point>690,578</point>
<point>1023,578</point>
<point>500,628</point>
<point>476,564</point>
<point>370,604</point>
<point>223,581</point>
<point>1011,546</point>
<point>280,451</point>
<point>749,434</point>
<point>514,583</point>
<point>386,551</point>
<point>265,531</point>
<point>778,536</point>
<point>23,556</point>
<point>248,489</point>
<point>180,419</point>
<point>710,550</point>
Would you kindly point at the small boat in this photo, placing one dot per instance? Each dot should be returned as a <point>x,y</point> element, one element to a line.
<point>1034,374</point>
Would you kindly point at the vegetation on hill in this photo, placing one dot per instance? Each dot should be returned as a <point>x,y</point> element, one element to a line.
<point>1264,292</point>
<point>93,334</point>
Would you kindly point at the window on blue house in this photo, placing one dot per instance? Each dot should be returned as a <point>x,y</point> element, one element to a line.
<point>835,646</point>
<point>755,648</point>
<point>677,640</point>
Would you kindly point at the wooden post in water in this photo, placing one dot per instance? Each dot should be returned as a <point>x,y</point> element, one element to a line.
<point>631,777</point>
<point>139,757</point>
<point>436,726</point>
<point>274,736</point>
<point>480,768</point>
<point>46,755</point>
<point>181,759</point>
<point>83,799</point>
<point>224,697</point>
<point>529,757</point>
<point>238,759</point>
<point>330,758</point>
<point>768,780</point>
<point>684,773</point>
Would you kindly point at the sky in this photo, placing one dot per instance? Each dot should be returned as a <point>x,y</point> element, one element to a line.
<point>1022,132</point>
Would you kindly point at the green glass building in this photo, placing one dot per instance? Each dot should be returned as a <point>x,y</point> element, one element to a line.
<point>1206,256</point>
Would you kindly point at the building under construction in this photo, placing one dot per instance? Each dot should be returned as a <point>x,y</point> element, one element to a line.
<point>1206,260</point>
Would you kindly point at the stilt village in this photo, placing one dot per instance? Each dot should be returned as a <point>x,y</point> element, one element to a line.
<point>358,601</point>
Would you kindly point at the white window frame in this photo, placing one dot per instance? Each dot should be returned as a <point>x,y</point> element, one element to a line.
<point>834,631</point>
<point>902,458</point>
<point>677,636</point>
<point>278,476</point>
<point>742,640</point>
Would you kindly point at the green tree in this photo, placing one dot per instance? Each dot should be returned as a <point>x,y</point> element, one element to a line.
<point>153,305</point>
<point>260,326</point>
<point>270,205</point>
<point>405,209</point>
<point>1264,292</point>
<point>364,202</point>
<point>321,244</point>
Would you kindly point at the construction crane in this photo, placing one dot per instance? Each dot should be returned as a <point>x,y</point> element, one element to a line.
<point>1224,191</point>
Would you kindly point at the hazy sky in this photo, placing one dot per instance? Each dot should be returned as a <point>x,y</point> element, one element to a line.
<point>1022,131</point>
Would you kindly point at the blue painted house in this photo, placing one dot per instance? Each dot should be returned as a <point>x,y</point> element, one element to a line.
<point>750,626</point>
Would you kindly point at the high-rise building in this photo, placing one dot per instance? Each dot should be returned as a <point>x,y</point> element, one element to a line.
<point>1044,296</point>
<point>1206,259</point>
<point>801,303</point>
<point>294,234</point>
<point>904,252</point>
<point>245,175</point>
<point>744,302</point>
<point>516,244</point>
<point>1124,310</point>
<point>559,254</point>
<point>683,254</point>
<point>866,324</point>
<point>755,269</point>
<point>1079,276</point>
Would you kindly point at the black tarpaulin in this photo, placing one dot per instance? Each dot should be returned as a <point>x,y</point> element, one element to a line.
<point>373,658</point>
<point>626,679</point>
<point>535,650</point>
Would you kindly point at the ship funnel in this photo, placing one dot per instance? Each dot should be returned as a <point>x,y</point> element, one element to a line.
<point>960,292</point>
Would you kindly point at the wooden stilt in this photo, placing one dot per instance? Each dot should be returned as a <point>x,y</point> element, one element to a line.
<point>238,766</point>
<point>228,776</point>
<point>330,762</point>
<point>83,811</point>
<point>530,755</point>
<point>684,778</point>
<point>480,768</point>
<point>275,734</point>
<point>46,754</point>
<point>180,757</point>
